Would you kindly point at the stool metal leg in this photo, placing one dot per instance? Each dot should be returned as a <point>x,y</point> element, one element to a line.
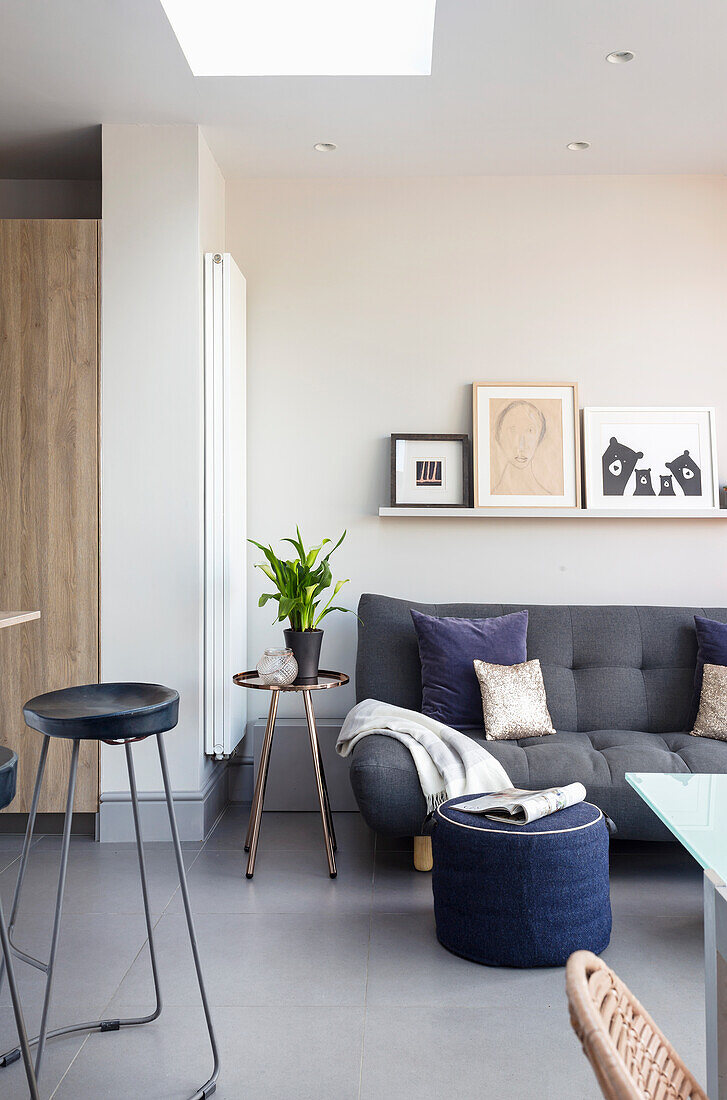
<point>320,782</point>
<point>17,1009</point>
<point>42,1035</point>
<point>24,861</point>
<point>259,799</point>
<point>144,889</point>
<point>211,1084</point>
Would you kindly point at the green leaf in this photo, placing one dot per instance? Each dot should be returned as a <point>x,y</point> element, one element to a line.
<point>314,552</point>
<point>286,606</point>
<point>270,555</point>
<point>328,611</point>
<point>335,547</point>
<point>266,570</point>
<point>298,544</point>
<point>327,607</point>
<point>267,596</point>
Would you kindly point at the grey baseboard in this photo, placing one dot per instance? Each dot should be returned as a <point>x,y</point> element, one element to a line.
<point>240,780</point>
<point>196,812</point>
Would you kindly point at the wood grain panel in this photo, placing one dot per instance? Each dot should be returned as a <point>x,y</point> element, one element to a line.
<point>49,526</point>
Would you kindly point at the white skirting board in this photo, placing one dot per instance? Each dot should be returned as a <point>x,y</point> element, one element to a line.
<point>196,812</point>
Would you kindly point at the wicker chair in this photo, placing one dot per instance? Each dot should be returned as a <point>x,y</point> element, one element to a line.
<point>631,1058</point>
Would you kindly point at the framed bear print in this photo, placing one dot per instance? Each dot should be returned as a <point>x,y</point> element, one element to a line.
<point>658,459</point>
<point>526,445</point>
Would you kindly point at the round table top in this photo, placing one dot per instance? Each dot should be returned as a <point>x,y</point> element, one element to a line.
<point>323,680</point>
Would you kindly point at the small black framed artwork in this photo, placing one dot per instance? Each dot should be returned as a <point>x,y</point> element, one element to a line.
<point>430,471</point>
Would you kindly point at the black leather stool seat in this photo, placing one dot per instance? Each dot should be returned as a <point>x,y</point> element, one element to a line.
<point>8,775</point>
<point>104,712</point>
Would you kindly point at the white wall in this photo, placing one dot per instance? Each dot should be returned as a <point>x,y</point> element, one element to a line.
<point>211,239</point>
<point>211,201</point>
<point>163,202</point>
<point>374,304</point>
<point>50,198</point>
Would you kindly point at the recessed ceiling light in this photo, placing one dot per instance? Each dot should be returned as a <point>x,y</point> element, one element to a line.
<point>315,38</point>
<point>325,147</point>
<point>620,57</point>
<point>578,146</point>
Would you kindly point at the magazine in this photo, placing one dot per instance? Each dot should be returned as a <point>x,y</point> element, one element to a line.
<point>520,807</point>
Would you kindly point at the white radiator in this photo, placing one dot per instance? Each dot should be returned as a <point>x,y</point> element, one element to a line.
<point>225,613</point>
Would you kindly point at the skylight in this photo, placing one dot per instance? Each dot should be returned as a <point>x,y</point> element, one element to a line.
<point>304,37</point>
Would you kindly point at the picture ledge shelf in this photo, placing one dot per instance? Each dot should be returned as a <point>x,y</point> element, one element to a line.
<point>438,512</point>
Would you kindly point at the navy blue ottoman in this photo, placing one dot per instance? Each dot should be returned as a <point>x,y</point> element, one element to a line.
<point>521,895</point>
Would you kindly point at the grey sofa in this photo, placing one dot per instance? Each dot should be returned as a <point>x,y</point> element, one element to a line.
<point>619,687</point>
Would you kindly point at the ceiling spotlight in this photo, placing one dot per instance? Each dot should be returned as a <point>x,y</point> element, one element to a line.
<point>620,57</point>
<point>325,147</point>
<point>579,146</point>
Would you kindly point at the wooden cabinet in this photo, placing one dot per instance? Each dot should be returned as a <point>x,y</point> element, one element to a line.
<point>49,467</point>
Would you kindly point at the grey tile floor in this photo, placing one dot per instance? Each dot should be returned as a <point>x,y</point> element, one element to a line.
<point>327,990</point>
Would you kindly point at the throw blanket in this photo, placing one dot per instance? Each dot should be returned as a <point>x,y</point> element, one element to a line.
<point>449,763</point>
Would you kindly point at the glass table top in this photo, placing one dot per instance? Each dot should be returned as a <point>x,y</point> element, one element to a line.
<point>694,808</point>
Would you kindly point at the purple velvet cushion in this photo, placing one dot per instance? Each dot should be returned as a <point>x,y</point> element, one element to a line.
<point>711,650</point>
<point>447,648</point>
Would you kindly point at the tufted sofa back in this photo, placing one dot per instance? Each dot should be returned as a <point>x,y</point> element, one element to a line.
<point>617,667</point>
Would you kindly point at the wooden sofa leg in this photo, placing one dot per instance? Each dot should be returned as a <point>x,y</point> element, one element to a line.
<point>423,853</point>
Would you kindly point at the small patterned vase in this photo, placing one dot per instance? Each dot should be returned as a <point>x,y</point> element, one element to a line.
<point>277,666</point>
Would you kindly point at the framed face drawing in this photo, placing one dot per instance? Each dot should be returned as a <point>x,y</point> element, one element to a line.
<point>660,459</point>
<point>526,445</point>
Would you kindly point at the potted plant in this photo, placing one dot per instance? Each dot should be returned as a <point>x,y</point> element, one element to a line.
<point>300,586</point>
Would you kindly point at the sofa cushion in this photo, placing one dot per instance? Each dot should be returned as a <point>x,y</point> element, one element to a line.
<point>513,701</point>
<point>387,789</point>
<point>711,650</point>
<point>711,720</point>
<point>448,647</point>
<point>602,757</point>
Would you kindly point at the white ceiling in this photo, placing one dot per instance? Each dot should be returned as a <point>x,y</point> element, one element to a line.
<point>513,81</point>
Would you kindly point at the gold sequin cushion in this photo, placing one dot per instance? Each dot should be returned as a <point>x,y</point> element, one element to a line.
<point>513,701</point>
<point>711,719</point>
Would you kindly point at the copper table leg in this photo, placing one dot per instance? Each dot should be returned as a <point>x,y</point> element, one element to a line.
<point>320,783</point>
<point>253,832</point>
<point>268,735</point>
<point>329,813</point>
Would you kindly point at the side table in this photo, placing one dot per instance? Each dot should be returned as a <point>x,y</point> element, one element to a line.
<point>323,681</point>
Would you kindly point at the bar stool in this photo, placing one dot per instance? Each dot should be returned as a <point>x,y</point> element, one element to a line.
<point>117,714</point>
<point>8,777</point>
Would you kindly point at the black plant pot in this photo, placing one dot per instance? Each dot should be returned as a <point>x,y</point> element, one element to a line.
<point>306,646</point>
